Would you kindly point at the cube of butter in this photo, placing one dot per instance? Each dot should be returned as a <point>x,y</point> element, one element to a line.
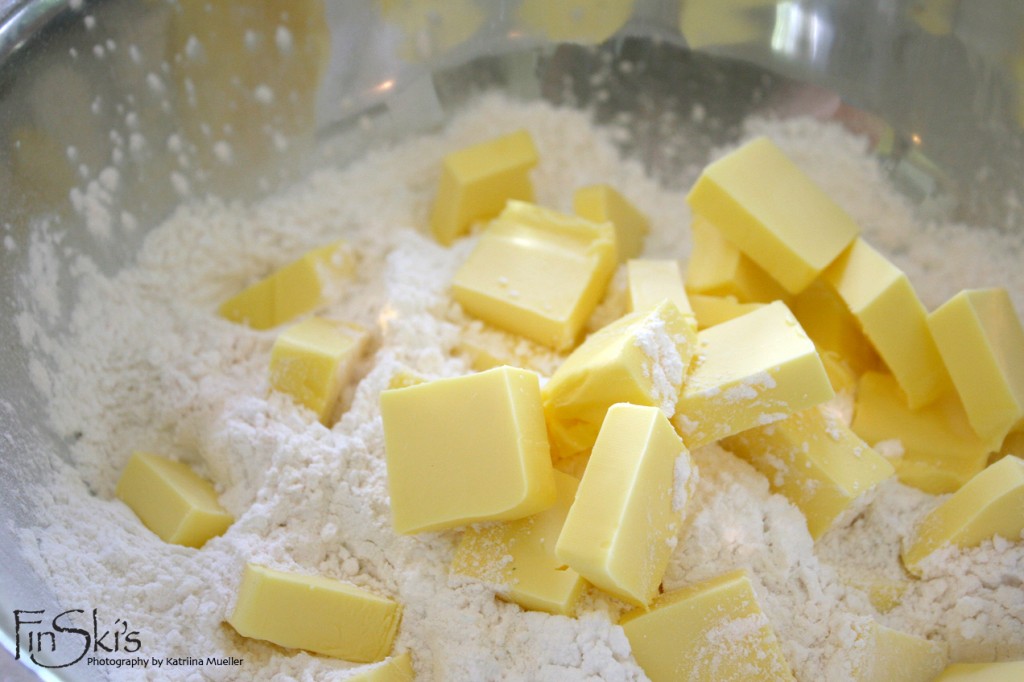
<point>172,500</point>
<point>712,310</point>
<point>881,653</point>
<point>312,362</point>
<point>750,371</point>
<point>621,529</point>
<point>294,290</point>
<point>578,21</point>
<point>649,282</point>
<point>813,459</point>
<point>537,273</point>
<point>981,341</point>
<point>833,328</point>
<point>893,318</point>
<point>477,181</point>
<point>520,556</point>
<point>776,215</point>
<point>314,613</point>
<point>602,204</point>
<point>640,358</point>
<point>940,450</point>
<point>395,669</point>
<point>990,504</point>
<point>467,449</point>
<point>718,268</point>
<point>999,671</point>
<point>681,637</point>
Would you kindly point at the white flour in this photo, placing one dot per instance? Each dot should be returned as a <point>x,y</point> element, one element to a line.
<point>147,364</point>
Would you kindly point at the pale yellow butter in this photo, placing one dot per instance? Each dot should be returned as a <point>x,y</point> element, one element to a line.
<point>1000,671</point>
<point>476,182</point>
<point>623,525</point>
<point>641,358</point>
<point>828,321</point>
<point>712,310</point>
<point>172,500</point>
<point>538,273</point>
<point>314,613</point>
<point>718,268</point>
<point>467,449</point>
<point>750,371</point>
<point>708,632</point>
<point>990,504</point>
<point>520,556</point>
<point>893,318</point>
<point>813,459</point>
<point>649,282</point>
<point>882,653</point>
<point>940,450</point>
<point>312,361</point>
<point>981,341</point>
<point>602,204</point>
<point>395,669</point>
<point>295,289</point>
<point>578,21</point>
<point>765,205</point>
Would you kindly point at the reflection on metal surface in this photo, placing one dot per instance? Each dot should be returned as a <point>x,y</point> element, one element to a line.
<point>800,32</point>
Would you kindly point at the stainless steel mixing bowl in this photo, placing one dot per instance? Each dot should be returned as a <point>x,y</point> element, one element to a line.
<point>93,85</point>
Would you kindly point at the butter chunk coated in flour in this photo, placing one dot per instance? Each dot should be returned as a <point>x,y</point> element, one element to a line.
<point>884,654</point>
<point>466,449</point>
<point>314,613</point>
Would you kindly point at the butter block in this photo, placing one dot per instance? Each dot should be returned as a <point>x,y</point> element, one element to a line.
<point>893,318</point>
<point>895,656</point>
<point>828,321</point>
<point>520,556</point>
<point>681,638</point>
<point>712,310</point>
<point>641,358</point>
<point>815,461</point>
<point>312,362</point>
<point>711,23</point>
<point>620,531</point>
<point>990,504</point>
<point>294,290</point>
<point>602,204</point>
<point>999,671</point>
<point>314,613</point>
<point>649,282</point>
<point>750,371</point>
<point>940,450</point>
<point>467,449</point>
<point>578,21</point>
<point>718,268</point>
<point>395,669</point>
<point>476,182</point>
<point>172,500</point>
<point>1013,444</point>
<point>776,215</point>
<point>980,338</point>
<point>537,273</point>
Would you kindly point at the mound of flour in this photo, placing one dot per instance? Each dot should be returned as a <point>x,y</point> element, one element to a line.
<point>147,364</point>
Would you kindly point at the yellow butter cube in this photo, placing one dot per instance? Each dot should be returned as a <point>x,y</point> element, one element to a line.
<point>1013,444</point>
<point>312,362</point>
<point>520,556</point>
<point>940,450</point>
<point>579,21</point>
<point>538,273</point>
<point>718,268</point>
<point>712,310</point>
<point>294,290</point>
<point>840,374</point>
<point>649,282</point>
<point>476,182</point>
<point>314,613</point>
<point>765,205</point>
<point>467,449</point>
<point>999,671</point>
<point>981,341</point>
<point>172,500</point>
<point>990,504</point>
<point>640,358</point>
<point>395,669</point>
<point>750,371</point>
<point>621,529</point>
<point>602,204</point>
<point>828,321</point>
<point>680,638</point>
<point>893,318</point>
<point>813,459</point>
<point>885,595</point>
<point>881,653</point>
